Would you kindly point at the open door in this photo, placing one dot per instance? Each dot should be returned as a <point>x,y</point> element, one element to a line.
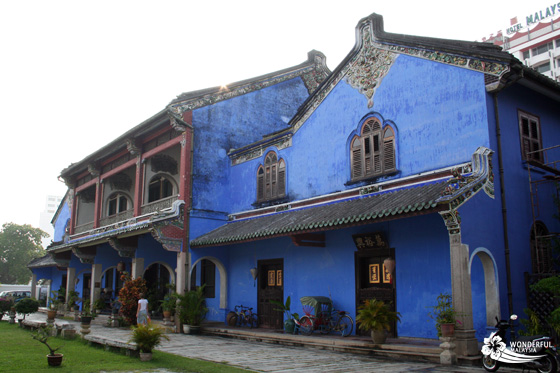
<point>271,287</point>
<point>374,281</point>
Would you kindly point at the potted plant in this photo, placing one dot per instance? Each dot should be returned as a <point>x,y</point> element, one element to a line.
<point>192,310</point>
<point>375,315</point>
<point>169,304</point>
<point>87,315</point>
<point>146,338</point>
<point>445,316</point>
<point>42,335</point>
<point>73,297</point>
<point>27,306</point>
<point>99,305</point>
<point>289,324</point>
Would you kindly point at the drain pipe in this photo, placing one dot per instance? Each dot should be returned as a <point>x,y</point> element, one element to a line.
<point>504,205</point>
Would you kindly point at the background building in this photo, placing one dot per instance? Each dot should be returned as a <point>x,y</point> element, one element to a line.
<point>51,204</point>
<point>535,40</point>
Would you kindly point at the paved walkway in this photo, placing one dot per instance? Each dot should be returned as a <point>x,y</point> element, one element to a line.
<point>268,357</point>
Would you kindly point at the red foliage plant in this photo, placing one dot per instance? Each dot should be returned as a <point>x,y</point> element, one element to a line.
<point>129,296</point>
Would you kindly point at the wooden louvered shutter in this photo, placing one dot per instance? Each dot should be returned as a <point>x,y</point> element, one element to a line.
<point>356,158</point>
<point>281,179</point>
<point>260,184</point>
<point>377,169</point>
<point>389,163</point>
<point>273,181</point>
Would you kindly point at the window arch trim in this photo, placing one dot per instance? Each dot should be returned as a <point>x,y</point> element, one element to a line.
<point>161,186</point>
<point>118,202</point>
<point>373,149</point>
<point>271,178</point>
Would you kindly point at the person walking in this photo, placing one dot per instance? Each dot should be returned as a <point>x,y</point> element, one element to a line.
<point>142,312</point>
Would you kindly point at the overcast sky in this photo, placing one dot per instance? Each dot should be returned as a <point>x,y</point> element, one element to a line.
<point>74,75</point>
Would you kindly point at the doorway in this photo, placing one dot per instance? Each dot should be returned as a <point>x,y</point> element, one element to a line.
<point>271,287</point>
<point>374,281</point>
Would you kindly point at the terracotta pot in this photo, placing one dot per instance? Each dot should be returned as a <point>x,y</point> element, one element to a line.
<point>51,314</point>
<point>55,360</point>
<point>447,330</point>
<point>167,314</point>
<point>379,336</point>
<point>145,356</point>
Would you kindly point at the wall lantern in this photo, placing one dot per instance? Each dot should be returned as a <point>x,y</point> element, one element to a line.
<point>389,264</point>
<point>254,273</point>
<point>120,266</point>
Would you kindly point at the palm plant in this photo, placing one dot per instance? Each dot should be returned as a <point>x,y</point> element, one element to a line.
<point>147,336</point>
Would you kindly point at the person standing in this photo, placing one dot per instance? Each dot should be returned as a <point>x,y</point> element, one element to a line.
<point>142,312</point>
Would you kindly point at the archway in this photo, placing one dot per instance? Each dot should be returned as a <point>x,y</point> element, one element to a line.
<point>492,298</point>
<point>223,277</point>
<point>158,276</point>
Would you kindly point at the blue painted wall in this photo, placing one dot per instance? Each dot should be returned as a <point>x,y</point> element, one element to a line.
<point>62,221</point>
<point>233,124</point>
<point>422,269</point>
<point>439,114</point>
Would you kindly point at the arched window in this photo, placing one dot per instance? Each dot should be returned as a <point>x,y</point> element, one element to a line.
<point>541,249</point>
<point>373,152</point>
<point>117,203</point>
<point>160,187</point>
<point>271,178</point>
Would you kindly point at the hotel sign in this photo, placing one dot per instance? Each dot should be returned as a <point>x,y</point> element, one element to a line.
<point>550,11</point>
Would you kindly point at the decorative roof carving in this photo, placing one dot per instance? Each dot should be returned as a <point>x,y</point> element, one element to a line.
<point>369,67</point>
<point>93,169</point>
<point>85,254</point>
<point>313,72</point>
<point>125,251</point>
<point>465,183</point>
<point>132,147</point>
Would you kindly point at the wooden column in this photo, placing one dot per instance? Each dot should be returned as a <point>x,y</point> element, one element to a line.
<point>138,186</point>
<point>73,211</point>
<point>98,202</point>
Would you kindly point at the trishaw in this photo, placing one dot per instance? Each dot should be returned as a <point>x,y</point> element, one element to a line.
<point>320,315</point>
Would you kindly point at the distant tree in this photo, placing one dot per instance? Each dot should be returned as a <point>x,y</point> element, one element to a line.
<point>19,244</point>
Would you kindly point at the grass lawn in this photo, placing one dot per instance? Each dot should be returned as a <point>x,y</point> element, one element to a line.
<point>21,353</point>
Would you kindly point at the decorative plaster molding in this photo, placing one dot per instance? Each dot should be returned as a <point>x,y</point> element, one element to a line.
<point>132,147</point>
<point>257,151</point>
<point>465,184</point>
<point>226,94</point>
<point>487,67</point>
<point>93,169</point>
<point>86,255</point>
<point>123,250</point>
<point>169,234</point>
<point>369,67</point>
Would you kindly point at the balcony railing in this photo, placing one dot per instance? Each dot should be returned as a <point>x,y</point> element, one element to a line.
<point>116,218</point>
<point>158,205</point>
<point>83,228</point>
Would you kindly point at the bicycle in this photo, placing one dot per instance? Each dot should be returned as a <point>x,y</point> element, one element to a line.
<point>326,319</point>
<point>243,316</point>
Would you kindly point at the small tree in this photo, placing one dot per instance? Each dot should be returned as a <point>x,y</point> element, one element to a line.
<point>42,335</point>
<point>27,306</point>
<point>129,296</point>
